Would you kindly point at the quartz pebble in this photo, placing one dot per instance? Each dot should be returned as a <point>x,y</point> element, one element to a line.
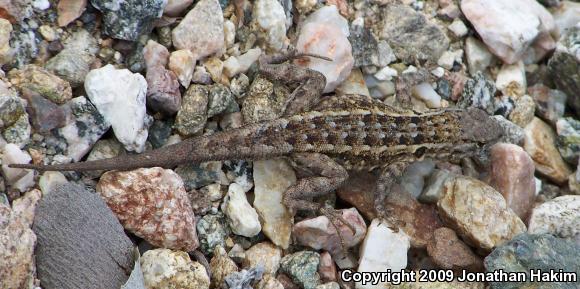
<point>151,203</point>
<point>477,55</point>
<point>263,254</point>
<point>270,22</point>
<point>327,268</point>
<point>271,179</point>
<point>164,268</point>
<point>511,79</point>
<point>50,180</point>
<point>478,213</point>
<point>242,217</point>
<point>182,63</point>
<point>5,50</point>
<point>540,144</point>
<point>240,64</point>
<point>19,179</point>
<point>325,33</point>
<point>382,249</point>
<point>428,95</point>
<point>512,174</point>
<point>69,10</point>
<point>559,216</point>
<point>202,38</point>
<point>119,95</point>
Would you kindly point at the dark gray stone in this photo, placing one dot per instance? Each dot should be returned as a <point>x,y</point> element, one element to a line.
<point>564,66</point>
<point>302,267</point>
<point>212,230</point>
<point>478,92</point>
<point>128,19</point>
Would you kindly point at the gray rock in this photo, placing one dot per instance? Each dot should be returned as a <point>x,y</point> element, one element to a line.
<point>538,252</point>
<point>302,267</point>
<point>19,132</point>
<point>364,45</point>
<point>11,109</point>
<point>414,178</point>
<point>220,100</point>
<point>569,139</point>
<point>44,114</point>
<point>550,103</point>
<point>89,238</point>
<point>512,133</point>
<point>478,92</point>
<point>264,101</point>
<point>129,19</point>
<point>212,230</point>
<point>550,3</point>
<point>244,278</point>
<point>433,190</point>
<point>564,66</point>
<point>25,44</point>
<point>73,62</point>
<point>192,116</point>
<point>159,133</point>
<point>200,175</point>
<point>163,93</point>
<point>411,35</point>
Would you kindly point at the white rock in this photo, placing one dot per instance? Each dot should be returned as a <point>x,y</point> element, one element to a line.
<point>236,65</point>
<point>458,28</point>
<point>119,95</point>
<point>271,179</point>
<point>386,73</point>
<point>382,249</point>
<point>477,54</point>
<point>566,16</point>
<point>49,180</point>
<point>509,27</point>
<point>202,30</point>
<point>5,31</point>
<point>19,179</point>
<point>511,79</point>
<point>560,217</point>
<point>446,60</point>
<point>325,32</point>
<point>242,217</point>
<point>439,72</point>
<point>182,63</point>
<point>229,33</point>
<point>427,94</point>
<point>270,20</point>
<point>164,268</point>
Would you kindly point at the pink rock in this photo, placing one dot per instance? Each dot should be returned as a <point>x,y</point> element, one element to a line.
<point>325,33</point>
<point>155,54</point>
<point>152,204</point>
<point>509,27</point>
<point>319,233</point>
<point>163,93</point>
<point>327,268</point>
<point>448,252</point>
<point>70,10</point>
<point>175,7</point>
<point>512,174</point>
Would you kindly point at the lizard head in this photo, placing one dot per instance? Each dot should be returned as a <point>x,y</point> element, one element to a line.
<point>477,126</point>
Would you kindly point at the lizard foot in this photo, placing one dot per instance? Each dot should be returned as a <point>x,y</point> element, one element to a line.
<point>334,217</point>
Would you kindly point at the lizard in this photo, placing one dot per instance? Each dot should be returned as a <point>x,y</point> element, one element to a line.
<point>326,137</point>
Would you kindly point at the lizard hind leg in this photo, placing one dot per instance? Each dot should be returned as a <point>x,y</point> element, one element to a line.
<point>387,179</point>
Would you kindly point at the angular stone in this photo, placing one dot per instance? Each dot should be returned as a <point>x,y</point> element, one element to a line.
<point>263,254</point>
<point>478,57</point>
<point>151,203</point>
<point>327,268</point>
<point>41,81</point>
<point>70,10</point>
<point>269,21</point>
<point>182,63</point>
<point>221,266</point>
<point>559,216</point>
<point>242,216</point>
<point>202,38</point>
<point>18,179</point>
<point>212,229</point>
<point>44,114</point>
<point>163,93</point>
<point>175,7</point>
<point>192,116</point>
<point>164,268</point>
<point>569,139</point>
<point>564,66</point>
<point>540,143</point>
<point>73,63</point>
<point>478,92</point>
<point>302,268</point>
<point>448,252</point>
<point>478,213</point>
<point>359,191</point>
<point>511,79</point>
<point>550,103</point>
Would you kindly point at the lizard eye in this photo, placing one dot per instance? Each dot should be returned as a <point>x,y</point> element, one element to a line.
<point>419,152</point>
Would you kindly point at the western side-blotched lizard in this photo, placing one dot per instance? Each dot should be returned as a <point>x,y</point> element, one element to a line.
<point>327,136</point>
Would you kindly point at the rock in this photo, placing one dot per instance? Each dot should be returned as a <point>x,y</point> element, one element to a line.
<point>41,81</point>
<point>163,93</point>
<point>329,285</point>
<point>534,252</point>
<point>478,92</point>
<point>264,101</point>
<point>220,100</point>
<point>44,114</point>
<point>152,204</point>
<point>196,176</point>
<point>568,130</point>
<point>478,57</point>
<point>324,33</point>
<point>509,29</point>
<point>155,54</point>
<point>202,38</point>
<point>550,103</point>
<point>19,132</point>
<point>73,63</point>
<point>540,144</point>
<point>221,266</point>
<point>50,180</point>
<point>5,50</point>
<point>242,217</point>
<point>319,233</point>
<point>175,7</point>
<point>164,268</point>
<point>359,192</point>
<point>327,268</point>
<point>448,252</point>
<point>302,268</point>
<point>458,28</point>
<point>433,189</point>
<point>245,278</point>
<point>182,63</point>
<point>511,79</point>
<point>366,49</point>
<point>354,84</point>
<point>271,179</point>
<point>129,19</point>
<point>427,94</point>
<point>269,282</point>
<point>104,149</point>
<point>78,136</point>
<point>269,21</point>
<point>566,15</point>
<point>90,239</point>
<point>523,112</point>
<point>212,229</point>
<point>11,109</point>
<point>263,254</point>
<point>18,179</point>
<point>119,95</point>
<point>478,213</point>
<point>18,241</point>
<point>382,249</point>
<point>240,64</point>
<point>512,174</point>
<point>192,116</point>
<point>559,216</point>
<point>69,11</point>
<point>564,66</point>
<point>427,41</point>
<point>512,133</point>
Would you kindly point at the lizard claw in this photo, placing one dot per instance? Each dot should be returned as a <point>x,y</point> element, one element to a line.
<point>334,215</point>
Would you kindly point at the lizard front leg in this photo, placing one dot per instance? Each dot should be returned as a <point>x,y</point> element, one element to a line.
<point>389,176</point>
